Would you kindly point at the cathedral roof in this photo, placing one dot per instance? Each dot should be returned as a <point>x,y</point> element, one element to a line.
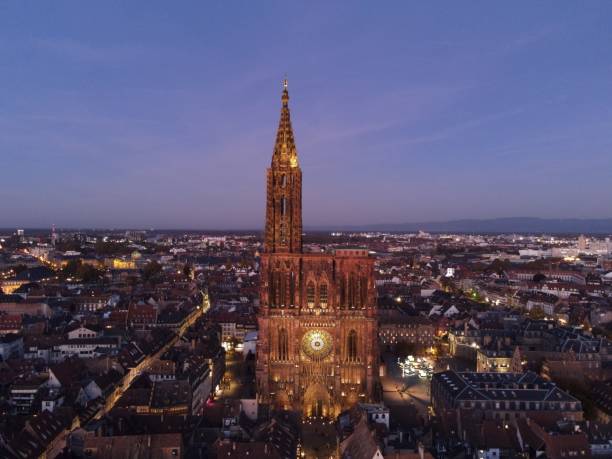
<point>285,152</point>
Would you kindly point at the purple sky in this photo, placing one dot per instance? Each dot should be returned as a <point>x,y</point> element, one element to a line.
<point>158,114</point>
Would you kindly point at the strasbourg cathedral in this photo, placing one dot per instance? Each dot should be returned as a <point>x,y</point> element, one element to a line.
<point>318,346</point>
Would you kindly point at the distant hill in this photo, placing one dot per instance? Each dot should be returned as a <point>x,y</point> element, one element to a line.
<point>491,225</point>
<point>500,225</point>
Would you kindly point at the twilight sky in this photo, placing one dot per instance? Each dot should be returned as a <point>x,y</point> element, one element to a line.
<point>163,114</point>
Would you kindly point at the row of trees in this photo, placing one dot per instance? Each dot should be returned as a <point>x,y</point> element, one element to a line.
<point>87,273</point>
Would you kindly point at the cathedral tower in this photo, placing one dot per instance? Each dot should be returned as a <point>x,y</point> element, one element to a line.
<point>317,349</point>
<point>284,189</point>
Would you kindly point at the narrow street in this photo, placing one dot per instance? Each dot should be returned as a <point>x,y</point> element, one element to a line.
<point>129,377</point>
<point>237,382</point>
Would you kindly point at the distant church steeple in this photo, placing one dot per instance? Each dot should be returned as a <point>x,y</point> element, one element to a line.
<point>284,188</point>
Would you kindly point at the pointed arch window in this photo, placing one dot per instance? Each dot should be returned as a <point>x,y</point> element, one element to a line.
<point>271,289</point>
<point>310,294</point>
<point>283,289</point>
<point>342,292</point>
<point>277,288</point>
<point>353,291</point>
<point>364,292</point>
<point>351,346</point>
<point>323,295</point>
<point>283,181</point>
<point>283,344</point>
<point>291,288</point>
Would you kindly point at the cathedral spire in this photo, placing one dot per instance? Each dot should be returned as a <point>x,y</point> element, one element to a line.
<point>284,189</point>
<point>285,152</point>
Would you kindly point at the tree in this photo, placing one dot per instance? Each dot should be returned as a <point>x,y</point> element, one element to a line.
<point>88,273</point>
<point>475,296</point>
<point>448,284</point>
<point>17,269</point>
<point>111,248</point>
<point>580,390</point>
<point>602,331</point>
<point>76,268</point>
<point>71,268</point>
<point>228,263</point>
<point>499,266</point>
<point>151,270</point>
<point>536,313</point>
<point>539,277</point>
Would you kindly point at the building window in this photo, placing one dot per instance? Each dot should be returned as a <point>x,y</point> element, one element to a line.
<point>283,206</point>
<point>364,292</point>
<point>356,300</point>
<point>310,294</point>
<point>291,288</point>
<point>272,289</point>
<point>342,288</point>
<point>351,346</point>
<point>323,295</point>
<point>283,344</point>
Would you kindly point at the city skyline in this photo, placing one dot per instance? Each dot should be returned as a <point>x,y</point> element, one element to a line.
<point>342,230</point>
<point>409,114</point>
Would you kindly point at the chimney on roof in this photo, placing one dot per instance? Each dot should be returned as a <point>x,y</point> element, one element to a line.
<point>266,448</point>
<point>421,451</point>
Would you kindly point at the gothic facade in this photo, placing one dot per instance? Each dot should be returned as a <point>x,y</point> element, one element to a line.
<point>317,350</point>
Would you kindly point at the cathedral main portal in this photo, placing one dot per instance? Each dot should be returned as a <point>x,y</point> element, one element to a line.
<point>317,402</point>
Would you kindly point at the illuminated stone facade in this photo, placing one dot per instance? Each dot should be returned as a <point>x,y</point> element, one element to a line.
<point>317,350</point>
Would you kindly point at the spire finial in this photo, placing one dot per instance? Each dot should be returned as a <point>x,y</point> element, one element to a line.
<point>285,97</point>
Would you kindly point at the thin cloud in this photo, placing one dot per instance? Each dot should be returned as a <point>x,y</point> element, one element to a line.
<point>86,52</point>
<point>532,37</point>
<point>421,103</point>
<point>453,131</point>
